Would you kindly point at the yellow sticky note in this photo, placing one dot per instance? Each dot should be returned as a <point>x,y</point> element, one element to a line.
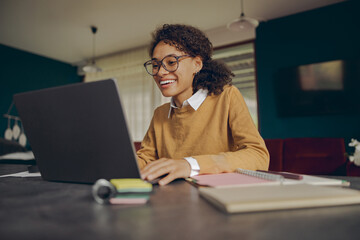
<point>131,185</point>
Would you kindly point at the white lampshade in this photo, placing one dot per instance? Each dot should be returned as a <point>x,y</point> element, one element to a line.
<point>91,68</point>
<point>242,24</point>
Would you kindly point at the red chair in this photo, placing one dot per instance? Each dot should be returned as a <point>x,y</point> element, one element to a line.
<point>275,148</point>
<point>321,156</point>
<point>352,169</point>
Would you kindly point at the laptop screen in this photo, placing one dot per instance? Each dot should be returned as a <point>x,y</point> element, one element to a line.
<point>78,132</point>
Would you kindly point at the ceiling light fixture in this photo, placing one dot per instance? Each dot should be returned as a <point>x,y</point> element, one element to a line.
<point>91,67</point>
<point>242,23</point>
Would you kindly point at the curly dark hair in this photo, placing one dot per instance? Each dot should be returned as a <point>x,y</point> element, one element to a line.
<point>214,75</point>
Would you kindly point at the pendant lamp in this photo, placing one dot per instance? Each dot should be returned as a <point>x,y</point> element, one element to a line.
<point>242,23</point>
<point>91,67</point>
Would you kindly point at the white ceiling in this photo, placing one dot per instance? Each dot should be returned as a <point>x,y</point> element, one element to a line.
<point>60,29</point>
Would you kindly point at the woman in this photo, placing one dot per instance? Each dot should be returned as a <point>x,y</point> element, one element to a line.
<point>206,128</point>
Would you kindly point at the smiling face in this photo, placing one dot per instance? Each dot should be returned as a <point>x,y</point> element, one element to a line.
<point>176,84</point>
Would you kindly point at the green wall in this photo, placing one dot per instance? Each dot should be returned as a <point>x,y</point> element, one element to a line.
<point>22,71</point>
<point>324,34</point>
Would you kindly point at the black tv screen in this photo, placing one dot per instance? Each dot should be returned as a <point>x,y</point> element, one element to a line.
<point>318,89</point>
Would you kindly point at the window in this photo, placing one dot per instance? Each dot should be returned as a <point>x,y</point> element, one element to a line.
<point>241,61</point>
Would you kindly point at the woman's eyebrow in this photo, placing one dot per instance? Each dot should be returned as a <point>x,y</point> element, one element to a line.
<point>172,54</point>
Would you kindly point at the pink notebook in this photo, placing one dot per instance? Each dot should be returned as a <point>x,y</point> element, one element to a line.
<point>231,179</point>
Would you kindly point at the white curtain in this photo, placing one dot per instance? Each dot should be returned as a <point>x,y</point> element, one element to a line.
<point>138,91</point>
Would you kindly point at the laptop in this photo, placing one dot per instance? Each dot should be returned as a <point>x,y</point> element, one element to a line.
<point>78,132</point>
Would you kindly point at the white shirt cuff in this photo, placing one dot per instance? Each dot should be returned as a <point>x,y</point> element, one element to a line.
<point>195,168</point>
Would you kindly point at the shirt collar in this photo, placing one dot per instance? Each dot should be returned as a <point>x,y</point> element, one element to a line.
<point>194,101</point>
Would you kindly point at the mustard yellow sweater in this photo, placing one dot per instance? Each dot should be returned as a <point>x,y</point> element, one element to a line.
<point>220,135</point>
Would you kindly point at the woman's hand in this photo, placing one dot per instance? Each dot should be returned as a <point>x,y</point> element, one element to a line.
<point>172,168</point>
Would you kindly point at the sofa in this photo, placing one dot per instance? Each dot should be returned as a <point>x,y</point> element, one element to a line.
<point>317,156</point>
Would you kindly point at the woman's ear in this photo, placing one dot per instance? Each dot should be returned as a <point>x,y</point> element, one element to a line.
<point>198,63</point>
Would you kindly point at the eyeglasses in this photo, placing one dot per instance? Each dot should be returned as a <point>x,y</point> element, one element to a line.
<point>169,63</point>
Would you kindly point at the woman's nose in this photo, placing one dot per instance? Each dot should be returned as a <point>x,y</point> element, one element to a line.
<point>162,70</point>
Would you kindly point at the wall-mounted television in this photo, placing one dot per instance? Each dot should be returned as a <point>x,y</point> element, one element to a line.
<point>322,88</point>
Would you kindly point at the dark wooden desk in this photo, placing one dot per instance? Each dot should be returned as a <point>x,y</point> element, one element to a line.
<point>31,208</point>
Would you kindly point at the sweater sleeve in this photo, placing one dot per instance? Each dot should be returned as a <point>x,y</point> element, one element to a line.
<point>248,150</point>
<point>147,152</point>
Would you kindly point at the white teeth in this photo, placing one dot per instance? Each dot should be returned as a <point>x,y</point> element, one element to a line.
<point>166,82</point>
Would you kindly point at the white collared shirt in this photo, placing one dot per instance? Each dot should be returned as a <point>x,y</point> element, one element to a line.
<point>195,102</point>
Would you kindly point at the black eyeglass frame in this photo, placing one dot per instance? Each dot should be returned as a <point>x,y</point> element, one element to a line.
<point>163,65</point>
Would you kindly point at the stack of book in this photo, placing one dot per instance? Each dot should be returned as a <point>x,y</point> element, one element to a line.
<point>252,191</point>
<point>130,191</point>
